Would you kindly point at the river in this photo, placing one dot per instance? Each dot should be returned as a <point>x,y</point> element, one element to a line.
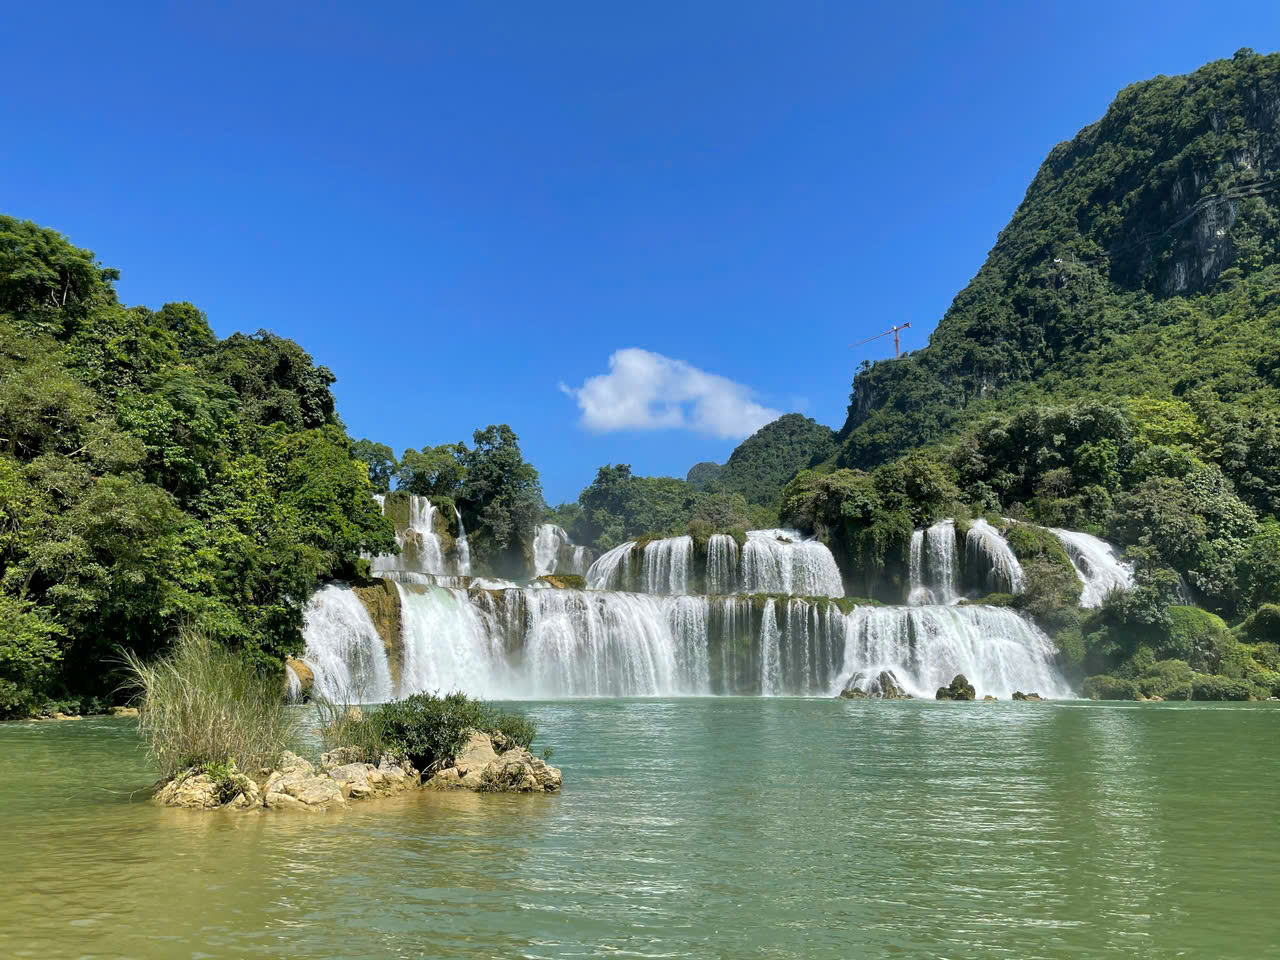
<point>700,827</point>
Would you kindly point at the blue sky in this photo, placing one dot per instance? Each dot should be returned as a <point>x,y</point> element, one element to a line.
<point>469,212</point>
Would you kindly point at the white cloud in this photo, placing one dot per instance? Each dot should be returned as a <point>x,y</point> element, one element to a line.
<point>647,391</point>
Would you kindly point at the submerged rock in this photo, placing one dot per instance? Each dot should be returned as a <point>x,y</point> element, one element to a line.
<point>959,689</point>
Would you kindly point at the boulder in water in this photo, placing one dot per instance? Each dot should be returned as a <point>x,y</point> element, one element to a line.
<point>883,686</point>
<point>480,767</point>
<point>1028,697</point>
<point>959,689</point>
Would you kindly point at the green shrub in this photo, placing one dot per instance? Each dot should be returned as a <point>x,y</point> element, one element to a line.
<point>203,705</point>
<point>1104,687</point>
<point>1263,625</point>
<point>1051,589</point>
<point>1206,687</point>
<point>1196,636</point>
<point>1167,679</point>
<point>995,600</point>
<point>429,730</point>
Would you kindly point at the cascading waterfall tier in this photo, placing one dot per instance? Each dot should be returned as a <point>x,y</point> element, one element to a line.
<point>784,561</point>
<point>770,562</point>
<point>990,561</point>
<point>555,552</point>
<point>344,649</point>
<point>1097,564</point>
<point>422,549</point>
<point>934,565</point>
<point>530,642</point>
<point>658,566</point>
<point>925,647</point>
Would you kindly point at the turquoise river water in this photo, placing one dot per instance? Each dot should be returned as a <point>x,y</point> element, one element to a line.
<point>690,828</point>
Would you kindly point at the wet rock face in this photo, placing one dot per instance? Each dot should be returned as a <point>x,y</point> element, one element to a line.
<point>883,686</point>
<point>959,689</point>
<point>480,767</point>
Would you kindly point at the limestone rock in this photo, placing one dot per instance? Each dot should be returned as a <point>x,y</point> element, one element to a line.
<point>446,779</point>
<point>1029,697</point>
<point>519,771</point>
<point>340,757</point>
<point>476,753</point>
<point>194,790</point>
<point>282,801</point>
<point>123,711</point>
<point>959,689</point>
<point>884,686</point>
<point>989,697</point>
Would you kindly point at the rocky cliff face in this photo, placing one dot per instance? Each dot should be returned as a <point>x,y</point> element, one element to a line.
<point>1175,191</point>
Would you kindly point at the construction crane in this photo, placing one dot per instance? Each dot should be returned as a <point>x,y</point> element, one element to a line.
<point>897,351</point>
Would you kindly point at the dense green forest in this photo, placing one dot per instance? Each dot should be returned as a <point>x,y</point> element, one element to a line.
<point>1113,367</point>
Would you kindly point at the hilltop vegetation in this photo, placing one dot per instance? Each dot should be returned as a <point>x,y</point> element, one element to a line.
<point>1113,367</point>
<point>152,475</point>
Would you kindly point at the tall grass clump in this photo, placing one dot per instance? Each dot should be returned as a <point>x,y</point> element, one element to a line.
<point>203,706</point>
<point>346,723</point>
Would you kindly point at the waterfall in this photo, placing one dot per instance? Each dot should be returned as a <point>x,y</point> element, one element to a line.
<point>1098,565</point>
<point>577,561</point>
<point>546,548</point>
<point>666,564</point>
<point>462,548</point>
<point>420,548</point>
<point>612,569</point>
<point>595,644</point>
<point>293,685</point>
<point>344,649</point>
<point>990,561</point>
<point>448,645</point>
<point>509,641</point>
<point>924,647</point>
<point>933,568</point>
<point>722,564</point>
<point>770,652</point>
<point>782,561</point>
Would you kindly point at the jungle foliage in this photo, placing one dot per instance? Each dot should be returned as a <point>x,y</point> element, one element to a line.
<point>153,476</point>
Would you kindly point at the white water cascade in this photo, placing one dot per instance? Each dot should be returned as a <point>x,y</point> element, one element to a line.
<point>1098,565</point>
<point>661,567</point>
<point>293,685</point>
<point>449,646</point>
<point>990,559</point>
<point>462,549</point>
<point>722,564</point>
<point>555,552</point>
<point>420,548</point>
<point>343,648</point>
<point>924,647</point>
<point>547,540</point>
<point>934,565</point>
<point>784,561</point>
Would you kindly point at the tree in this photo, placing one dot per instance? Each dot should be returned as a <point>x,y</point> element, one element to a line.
<point>381,461</point>
<point>501,498</point>
<point>433,471</point>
